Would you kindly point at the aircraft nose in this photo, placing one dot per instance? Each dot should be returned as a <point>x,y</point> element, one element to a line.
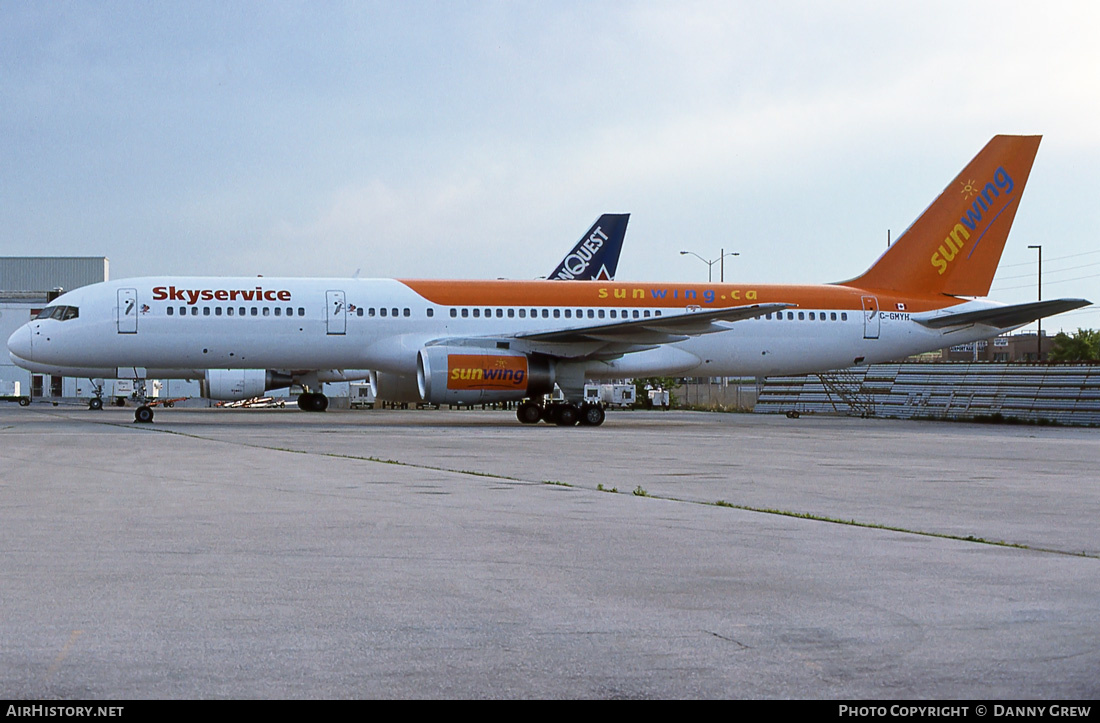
<point>19,343</point>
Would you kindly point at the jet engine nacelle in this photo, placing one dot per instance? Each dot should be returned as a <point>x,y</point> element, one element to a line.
<point>232,385</point>
<point>471,375</point>
<point>394,387</point>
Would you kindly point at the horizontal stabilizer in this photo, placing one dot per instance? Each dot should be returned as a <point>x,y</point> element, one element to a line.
<point>1005,317</point>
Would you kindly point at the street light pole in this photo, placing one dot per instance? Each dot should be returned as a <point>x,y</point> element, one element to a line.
<point>1039,332</point>
<point>710,264</point>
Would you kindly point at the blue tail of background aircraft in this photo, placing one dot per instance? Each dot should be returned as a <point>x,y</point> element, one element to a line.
<point>596,255</point>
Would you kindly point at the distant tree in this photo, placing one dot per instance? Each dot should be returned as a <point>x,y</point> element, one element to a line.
<point>1082,346</point>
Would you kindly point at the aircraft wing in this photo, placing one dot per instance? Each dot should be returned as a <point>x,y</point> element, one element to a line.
<point>659,329</point>
<point>614,339</point>
<point>655,330</point>
<point>1004,317</point>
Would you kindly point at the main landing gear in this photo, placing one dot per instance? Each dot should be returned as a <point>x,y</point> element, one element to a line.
<point>563,414</point>
<point>312,402</point>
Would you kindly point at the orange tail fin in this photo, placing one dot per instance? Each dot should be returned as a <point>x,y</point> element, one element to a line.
<point>955,245</point>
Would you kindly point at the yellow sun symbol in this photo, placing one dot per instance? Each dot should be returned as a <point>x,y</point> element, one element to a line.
<point>969,189</point>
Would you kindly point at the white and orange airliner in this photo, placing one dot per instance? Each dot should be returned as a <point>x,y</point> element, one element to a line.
<point>482,341</point>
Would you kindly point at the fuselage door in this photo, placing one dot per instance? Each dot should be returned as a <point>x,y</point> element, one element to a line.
<point>871,318</point>
<point>127,311</point>
<point>336,314</point>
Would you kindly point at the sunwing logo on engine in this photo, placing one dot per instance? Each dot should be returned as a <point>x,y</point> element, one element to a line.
<point>476,371</point>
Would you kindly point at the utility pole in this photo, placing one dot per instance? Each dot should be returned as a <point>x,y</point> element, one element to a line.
<point>1039,332</point>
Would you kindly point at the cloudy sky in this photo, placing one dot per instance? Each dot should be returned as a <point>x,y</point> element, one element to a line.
<point>480,139</point>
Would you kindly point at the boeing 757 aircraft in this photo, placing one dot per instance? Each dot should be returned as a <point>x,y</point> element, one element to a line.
<point>484,341</point>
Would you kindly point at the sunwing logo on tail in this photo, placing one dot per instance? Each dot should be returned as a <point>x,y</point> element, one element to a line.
<point>989,202</point>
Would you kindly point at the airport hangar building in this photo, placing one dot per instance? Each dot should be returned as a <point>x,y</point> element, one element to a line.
<point>27,285</point>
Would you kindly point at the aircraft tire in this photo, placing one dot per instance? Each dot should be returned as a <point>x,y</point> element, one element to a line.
<point>143,414</point>
<point>566,415</point>
<point>529,413</point>
<point>95,404</point>
<point>312,402</point>
<point>592,415</point>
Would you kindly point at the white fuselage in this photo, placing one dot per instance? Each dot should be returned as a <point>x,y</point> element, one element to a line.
<point>178,327</point>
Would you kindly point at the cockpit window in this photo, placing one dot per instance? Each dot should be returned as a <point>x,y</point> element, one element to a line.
<point>61,313</point>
